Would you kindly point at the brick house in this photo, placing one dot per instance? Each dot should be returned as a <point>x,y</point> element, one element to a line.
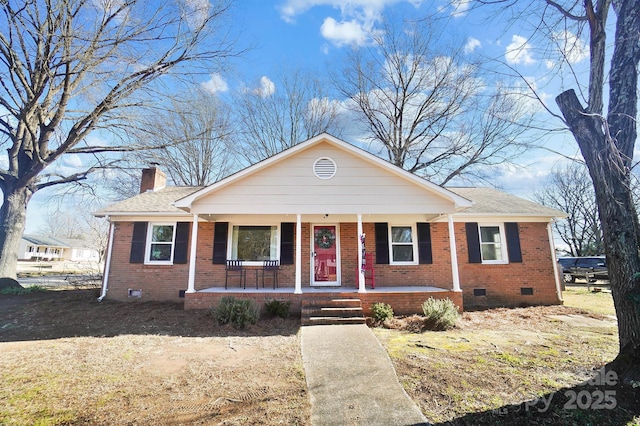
<point>336,220</point>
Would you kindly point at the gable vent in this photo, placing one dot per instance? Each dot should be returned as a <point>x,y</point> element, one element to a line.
<point>324,168</point>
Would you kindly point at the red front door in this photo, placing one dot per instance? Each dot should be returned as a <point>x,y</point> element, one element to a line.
<point>325,255</point>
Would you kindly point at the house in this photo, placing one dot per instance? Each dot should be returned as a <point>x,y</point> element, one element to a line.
<point>331,215</point>
<point>37,247</point>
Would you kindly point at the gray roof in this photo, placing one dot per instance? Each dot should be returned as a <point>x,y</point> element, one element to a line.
<point>486,201</point>
<point>489,201</point>
<point>150,202</point>
<point>41,240</point>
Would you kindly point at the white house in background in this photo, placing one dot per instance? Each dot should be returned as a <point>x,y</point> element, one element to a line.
<point>37,247</point>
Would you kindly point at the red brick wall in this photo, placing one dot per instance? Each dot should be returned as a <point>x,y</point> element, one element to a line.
<point>161,282</point>
<point>503,282</point>
<point>402,303</point>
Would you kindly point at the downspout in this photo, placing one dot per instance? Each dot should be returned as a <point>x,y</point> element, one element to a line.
<point>556,273</point>
<point>107,263</point>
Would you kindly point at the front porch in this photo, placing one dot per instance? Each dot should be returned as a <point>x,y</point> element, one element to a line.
<point>405,300</point>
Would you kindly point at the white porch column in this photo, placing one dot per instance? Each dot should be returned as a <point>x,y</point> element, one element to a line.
<point>191,288</point>
<point>454,256</point>
<point>361,281</point>
<point>298,289</point>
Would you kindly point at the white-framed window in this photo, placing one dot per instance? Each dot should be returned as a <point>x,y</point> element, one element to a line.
<point>254,243</point>
<point>492,243</point>
<point>161,239</point>
<point>403,245</point>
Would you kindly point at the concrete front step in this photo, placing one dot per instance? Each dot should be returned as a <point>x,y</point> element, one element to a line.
<point>333,320</point>
<point>332,311</point>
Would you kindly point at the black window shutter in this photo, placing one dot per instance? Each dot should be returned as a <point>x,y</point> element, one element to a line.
<point>286,243</point>
<point>138,242</point>
<point>424,243</point>
<point>183,229</point>
<point>382,243</point>
<point>513,242</point>
<point>473,242</point>
<point>220,234</point>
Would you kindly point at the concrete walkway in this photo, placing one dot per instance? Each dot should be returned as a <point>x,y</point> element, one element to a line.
<point>351,379</point>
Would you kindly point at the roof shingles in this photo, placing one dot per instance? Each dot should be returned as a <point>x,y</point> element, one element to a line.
<point>160,201</point>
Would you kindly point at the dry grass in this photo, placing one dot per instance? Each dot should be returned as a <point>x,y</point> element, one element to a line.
<point>492,368</point>
<point>65,359</point>
<point>599,302</point>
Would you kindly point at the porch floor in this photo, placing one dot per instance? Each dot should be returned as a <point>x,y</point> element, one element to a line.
<point>319,290</point>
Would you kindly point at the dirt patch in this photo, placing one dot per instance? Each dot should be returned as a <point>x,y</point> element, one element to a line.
<point>67,359</point>
<point>582,321</point>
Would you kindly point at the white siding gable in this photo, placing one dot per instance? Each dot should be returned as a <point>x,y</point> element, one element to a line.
<point>290,186</point>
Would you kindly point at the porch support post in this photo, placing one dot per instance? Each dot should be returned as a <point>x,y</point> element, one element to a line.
<point>191,288</point>
<point>454,256</point>
<point>298,289</point>
<point>361,281</point>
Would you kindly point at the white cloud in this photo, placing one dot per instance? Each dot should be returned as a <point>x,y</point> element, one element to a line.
<point>460,7</point>
<point>572,48</point>
<point>196,12</point>
<point>471,45</point>
<point>215,84</point>
<point>343,33</point>
<point>356,22</point>
<point>266,88</point>
<point>519,51</point>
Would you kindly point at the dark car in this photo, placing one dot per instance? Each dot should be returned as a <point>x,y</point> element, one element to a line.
<point>591,268</point>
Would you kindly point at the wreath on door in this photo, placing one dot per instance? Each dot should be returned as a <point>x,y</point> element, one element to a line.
<point>325,238</point>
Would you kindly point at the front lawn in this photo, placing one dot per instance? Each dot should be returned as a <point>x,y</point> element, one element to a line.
<point>517,366</point>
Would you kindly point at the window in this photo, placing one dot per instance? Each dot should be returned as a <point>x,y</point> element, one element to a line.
<point>491,243</point>
<point>160,242</point>
<point>402,244</point>
<point>254,243</point>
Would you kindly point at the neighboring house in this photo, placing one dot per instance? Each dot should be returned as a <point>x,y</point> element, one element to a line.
<point>37,247</point>
<point>320,209</point>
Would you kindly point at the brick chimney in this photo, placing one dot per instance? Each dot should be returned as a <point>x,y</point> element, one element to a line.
<point>153,179</point>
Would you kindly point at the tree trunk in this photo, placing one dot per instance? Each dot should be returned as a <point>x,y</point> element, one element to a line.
<point>610,174</point>
<point>13,216</point>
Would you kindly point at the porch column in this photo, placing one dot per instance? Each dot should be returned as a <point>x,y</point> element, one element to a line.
<point>454,256</point>
<point>298,289</point>
<point>361,281</point>
<point>191,288</point>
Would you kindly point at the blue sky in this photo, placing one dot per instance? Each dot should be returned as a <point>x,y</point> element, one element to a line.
<point>315,33</point>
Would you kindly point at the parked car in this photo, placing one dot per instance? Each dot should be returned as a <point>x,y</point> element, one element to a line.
<point>592,268</point>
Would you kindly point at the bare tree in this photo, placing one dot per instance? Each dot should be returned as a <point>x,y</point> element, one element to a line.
<point>77,222</point>
<point>61,224</point>
<point>426,107</point>
<point>192,138</point>
<point>277,115</point>
<point>69,67</point>
<point>606,138</point>
<point>571,191</point>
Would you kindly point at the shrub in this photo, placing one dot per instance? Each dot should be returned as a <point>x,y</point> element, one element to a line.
<point>382,311</point>
<point>17,291</point>
<point>238,312</point>
<point>440,314</point>
<point>278,308</point>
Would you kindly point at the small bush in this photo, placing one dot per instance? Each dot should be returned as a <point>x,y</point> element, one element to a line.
<point>238,312</point>
<point>440,314</point>
<point>381,311</point>
<point>16,291</point>
<point>278,308</point>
